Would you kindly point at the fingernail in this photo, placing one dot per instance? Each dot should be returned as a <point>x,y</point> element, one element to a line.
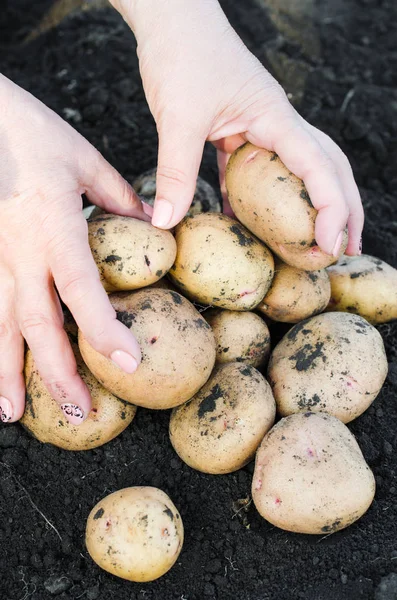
<point>5,410</point>
<point>360,246</point>
<point>73,413</point>
<point>147,209</point>
<point>162,213</point>
<point>124,361</point>
<point>338,243</point>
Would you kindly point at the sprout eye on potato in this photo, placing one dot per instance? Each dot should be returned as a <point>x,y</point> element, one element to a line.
<point>220,263</point>
<point>177,346</point>
<point>310,475</point>
<point>334,363</point>
<point>135,533</point>
<point>274,204</point>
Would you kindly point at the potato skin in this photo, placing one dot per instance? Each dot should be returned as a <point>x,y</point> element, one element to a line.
<point>135,533</point>
<point>334,363</point>
<point>310,475</point>
<point>364,285</point>
<point>129,253</point>
<point>44,419</point>
<point>177,345</point>
<point>219,430</point>
<point>220,263</point>
<point>274,204</point>
<point>295,294</point>
<point>239,336</point>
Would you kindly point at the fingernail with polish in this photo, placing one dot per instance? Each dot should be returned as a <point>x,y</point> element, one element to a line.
<point>162,213</point>
<point>73,413</point>
<point>124,361</point>
<point>147,209</point>
<point>5,410</point>
<point>338,243</point>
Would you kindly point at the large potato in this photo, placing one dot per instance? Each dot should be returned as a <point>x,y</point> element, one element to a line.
<point>220,263</point>
<point>135,533</point>
<point>129,253</point>
<point>239,336</point>
<point>109,415</point>
<point>364,285</point>
<point>334,363</point>
<point>310,475</point>
<point>177,345</point>
<point>274,204</point>
<point>219,430</point>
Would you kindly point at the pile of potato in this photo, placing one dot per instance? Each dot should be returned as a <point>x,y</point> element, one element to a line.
<point>189,298</point>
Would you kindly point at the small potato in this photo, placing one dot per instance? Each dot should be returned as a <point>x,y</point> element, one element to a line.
<point>177,345</point>
<point>129,253</point>
<point>274,204</point>
<point>109,415</point>
<point>310,475</point>
<point>334,363</point>
<point>135,533</point>
<point>295,294</point>
<point>219,430</point>
<point>239,336</point>
<point>220,263</point>
<point>364,285</point>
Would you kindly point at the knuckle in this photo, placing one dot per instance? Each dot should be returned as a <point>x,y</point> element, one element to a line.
<point>171,175</point>
<point>6,330</point>
<point>33,323</point>
<point>73,288</point>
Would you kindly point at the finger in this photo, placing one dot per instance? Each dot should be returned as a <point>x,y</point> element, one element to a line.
<point>42,327</point>
<point>77,279</point>
<point>179,158</point>
<point>301,152</point>
<point>222,158</point>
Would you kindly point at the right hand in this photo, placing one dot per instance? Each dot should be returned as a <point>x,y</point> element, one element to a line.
<point>45,167</point>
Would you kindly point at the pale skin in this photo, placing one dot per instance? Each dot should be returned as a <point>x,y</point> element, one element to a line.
<point>202,84</point>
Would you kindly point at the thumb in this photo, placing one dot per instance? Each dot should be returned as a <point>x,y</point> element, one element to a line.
<point>179,158</point>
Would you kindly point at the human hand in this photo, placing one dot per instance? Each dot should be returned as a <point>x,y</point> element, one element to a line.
<point>45,166</point>
<point>202,83</point>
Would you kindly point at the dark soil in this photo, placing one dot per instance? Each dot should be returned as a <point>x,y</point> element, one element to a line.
<point>86,70</point>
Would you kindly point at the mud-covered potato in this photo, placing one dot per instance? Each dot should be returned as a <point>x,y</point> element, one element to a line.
<point>364,285</point>
<point>135,533</point>
<point>310,475</point>
<point>129,253</point>
<point>334,363</point>
<point>220,263</point>
<point>219,430</point>
<point>295,294</point>
<point>274,204</point>
<point>177,345</point>
<point>239,336</point>
<point>109,415</point>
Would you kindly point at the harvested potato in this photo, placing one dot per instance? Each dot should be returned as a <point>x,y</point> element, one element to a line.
<point>274,204</point>
<point>220,263</point>
<point>334,363</point>
<point>109,415</point>
<point>310,475</point>
<point>135,533</point>
<point>205,198</point>
<point>219,430</point>
<point>239,336</point>
<point>129,253</point>
<point>295,294</point>
<point>177,345</point>
<point>364,285</point>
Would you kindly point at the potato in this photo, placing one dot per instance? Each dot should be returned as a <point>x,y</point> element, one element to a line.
<point>310,475</point>
<point>364,285</point>
<point>334,363</point>
<point>177,345</point>
<point>219,430</point>
<point>129,253</point>
<point>109,415</point>
<point>204,200</point>
<point>135,533</point>
<point>239,336</point>
<point>220,263</point>
<point>274,204</point>
<point>295,294</point>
